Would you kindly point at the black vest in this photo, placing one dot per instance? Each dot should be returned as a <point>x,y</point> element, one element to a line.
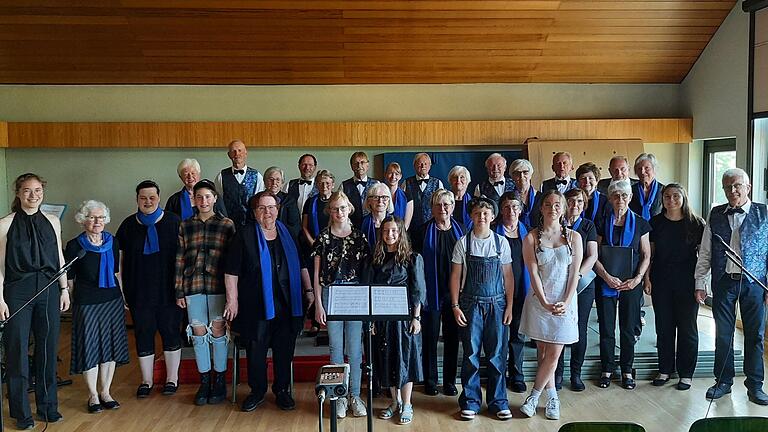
<point>236,195</point>
<point>422,206</point>
<point>487,190</point>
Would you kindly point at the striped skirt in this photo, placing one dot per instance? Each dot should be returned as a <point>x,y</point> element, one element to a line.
<point>98,335</point>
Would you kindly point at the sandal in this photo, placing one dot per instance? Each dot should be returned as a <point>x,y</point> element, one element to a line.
<point>390,411</point>
<point>406,415</point>
<point>605,381</point>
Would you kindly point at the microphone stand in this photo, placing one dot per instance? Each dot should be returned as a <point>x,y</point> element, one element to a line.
<point>734,257</point>
<point>3,323</point>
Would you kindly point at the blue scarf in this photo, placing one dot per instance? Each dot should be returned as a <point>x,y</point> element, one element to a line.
<point>106,258</point>
<point>313,219</point>
<point>432,302</point>
<point>646,204</point>
<point>577,224</point>
<point>464,215</point>
<point>186,205</point>
<point>626,239</point>
<point>294,271</point>
<point>525,216</point>
<point>369,229</point>
<point>401,202</point>
<point>151,243</point>
<point>595,205</point>
<point>522,231</point>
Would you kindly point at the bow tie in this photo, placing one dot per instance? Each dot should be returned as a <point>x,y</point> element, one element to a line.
<point>423,181</point>
<point>305,182</point>
<point>498,183</point>
<point>561,182</point>
<point>237,171</point>
<point>360,183</point>
<point>734,210</point>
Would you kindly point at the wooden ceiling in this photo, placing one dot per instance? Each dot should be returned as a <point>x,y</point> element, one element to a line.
<point>353,42</point>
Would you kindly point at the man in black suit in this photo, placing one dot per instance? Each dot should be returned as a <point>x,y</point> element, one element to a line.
<point>303,188</point>
<point>497,182</point>
<point>619,169</point>
<point>356,188</point>
<point>289,211</point>
<point>562,165</point>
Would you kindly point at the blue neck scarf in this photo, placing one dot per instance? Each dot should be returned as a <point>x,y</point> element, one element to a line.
<point>294,271</point>
<point>525,216</point>
<point>400,203</point>
<point>465,215</point>
<point>151,243</point>
<point>646,204</point>
<point>595,204</point>
<point>313,219</point>
<point>577,224</point>
<point>430,262</point>
<point>627,236</point>
<point>522,231</point>
<point>369,229</point>
<point>186,205</point>
<point>106,258</point>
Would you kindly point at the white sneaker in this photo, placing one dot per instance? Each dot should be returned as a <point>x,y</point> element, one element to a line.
<point>358,407</point>
<point>341,408</point>
<point>552,411</point>
<point>529,406</point>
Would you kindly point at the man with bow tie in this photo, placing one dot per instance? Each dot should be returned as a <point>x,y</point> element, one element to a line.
<point>497,182</point>
<point>562,165</point>
<point>356,188</point>
<point>303,188</point>
<point>238,183</point>
<point>419,189</point>
<point>743,225</point>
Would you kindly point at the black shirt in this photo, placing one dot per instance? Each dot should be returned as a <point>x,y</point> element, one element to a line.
<point>85,273</point>
<point>322,217</point>
<point>443,250</point>
<point>676,244</point>
<point>642,227</point>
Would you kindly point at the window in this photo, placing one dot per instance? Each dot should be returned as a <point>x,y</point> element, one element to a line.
<point>719,155</point>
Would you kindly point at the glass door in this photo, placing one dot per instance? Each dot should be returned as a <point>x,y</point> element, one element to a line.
<point>719,156</point>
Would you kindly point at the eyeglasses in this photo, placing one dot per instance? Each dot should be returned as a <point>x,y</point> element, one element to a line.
<point>737,186</point>
<point>271,208</point>
<point>378,197</point>
<point>96,218</point>
<point>444,205</point>
<point>338,209</point>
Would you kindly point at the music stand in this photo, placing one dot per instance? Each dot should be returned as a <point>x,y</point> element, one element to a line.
<point>368,303</point>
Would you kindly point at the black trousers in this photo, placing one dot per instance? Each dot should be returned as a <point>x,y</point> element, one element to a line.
<point>41,318</point>
<point>628,314</point>
<point>431,321</point>
<point>148,320</point>
<point>279,334</point>
<point>579,349</point>
<point>516,340</point>
<point>676,311</point>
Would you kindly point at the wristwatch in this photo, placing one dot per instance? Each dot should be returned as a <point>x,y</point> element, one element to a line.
<point>417,318</point>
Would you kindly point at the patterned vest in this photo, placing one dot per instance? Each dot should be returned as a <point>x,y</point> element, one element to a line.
<point>754,240</point>
<point>236,194</point>
<point>488,191</point>
<point>422,206</point>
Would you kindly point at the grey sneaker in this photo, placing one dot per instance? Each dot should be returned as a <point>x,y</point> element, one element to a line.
<point>341,408</point>
<point>552,411</point>
<point>358,407</point>
<point>529,406</point>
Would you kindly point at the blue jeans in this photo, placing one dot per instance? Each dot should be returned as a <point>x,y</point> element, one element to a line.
<point>346,337</point>
<point>484,332</point>
<point>203,310</point>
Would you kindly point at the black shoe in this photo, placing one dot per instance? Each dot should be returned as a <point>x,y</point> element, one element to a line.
<point>143,391</point>
<point>758,396</point>
<point>204,391</point>
<point>51,417</point>
<point>251,402</point>
<point>558,382</point>
<point>285,401</point>
<point>718,390</point>
<point>659,381</point>
<point>628,383</point>
<point>110,405</point>
<point>430,390</point>
<point>577,384</point>
<point>605,381</point>
<point>518,386</point>
<point>25,424</point>
<point>218,389</point>
<point>683,385</point>
<point>449,389</point>
<point>94,408</point>
<point>170,388</point>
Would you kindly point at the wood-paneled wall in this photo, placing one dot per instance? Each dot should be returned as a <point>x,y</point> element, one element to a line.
<point>336,134</point>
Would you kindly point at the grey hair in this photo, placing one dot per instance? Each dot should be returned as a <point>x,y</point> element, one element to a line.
<point>325,173</point>
<point>650,157</point>
<point>85,210</point>
<point>274,169</point>
<point>188,163</point>
<point>562,153</point>
<point>460,169</point>
<point>618,158</point>
<point>418,155</point>
<point>382,189</point>
<point>440,194</point>
<point>736,172</point>
<point>620,186</point>
<point>493,156</point>
<point>520,163</point>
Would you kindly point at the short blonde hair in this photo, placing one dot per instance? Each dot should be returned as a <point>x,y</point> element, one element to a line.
<point>439,194</point>
<point>338,196</point>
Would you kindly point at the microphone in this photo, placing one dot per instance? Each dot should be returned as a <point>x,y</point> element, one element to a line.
<point>726,245</point>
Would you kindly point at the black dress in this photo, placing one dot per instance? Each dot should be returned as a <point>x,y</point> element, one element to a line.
<point>399,351</point>
<point>98,315</point>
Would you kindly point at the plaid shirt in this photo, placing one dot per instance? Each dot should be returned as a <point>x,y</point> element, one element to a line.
<point>200,256</point>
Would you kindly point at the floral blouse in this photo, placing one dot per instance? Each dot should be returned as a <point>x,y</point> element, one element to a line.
<point>342,259</point>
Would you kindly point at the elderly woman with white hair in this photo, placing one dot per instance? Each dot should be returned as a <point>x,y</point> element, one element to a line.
<point>378,204</point>
<point>182,203</point>
<point>99,341</point>
<point>620,229</point>
<point>646,193</point>
<point>521,170</point>
<point>274,179</point>
<point>460,178</point>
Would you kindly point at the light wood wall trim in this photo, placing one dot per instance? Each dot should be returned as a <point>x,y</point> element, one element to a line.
<point>3,134</point>
<point>338,134</point>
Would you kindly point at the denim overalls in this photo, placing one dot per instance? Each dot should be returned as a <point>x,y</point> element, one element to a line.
<point>483,302</point>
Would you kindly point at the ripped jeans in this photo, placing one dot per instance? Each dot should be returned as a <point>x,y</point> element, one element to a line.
<point>203,310</point>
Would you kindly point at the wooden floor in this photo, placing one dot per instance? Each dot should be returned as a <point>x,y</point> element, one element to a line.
<point>658,409</point>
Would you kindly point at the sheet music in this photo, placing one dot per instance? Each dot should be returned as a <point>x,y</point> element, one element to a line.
<point>348,300</point>
<point>389,300</point>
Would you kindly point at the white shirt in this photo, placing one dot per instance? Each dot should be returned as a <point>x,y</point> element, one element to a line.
<point>304,191</point>
<point>360,187</point>
<point>563,188</point>
<point>499,188</point>
<point>423,185</point>
<point>480,248</point>
<point>239,178</point>
<point>703,264</point>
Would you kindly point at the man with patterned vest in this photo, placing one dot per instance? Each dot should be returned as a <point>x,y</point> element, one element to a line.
<point>497,182</point>
<point>420,188</point>
<point>356,188</point>
<point>238,183</point>
<point>742,224</point>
